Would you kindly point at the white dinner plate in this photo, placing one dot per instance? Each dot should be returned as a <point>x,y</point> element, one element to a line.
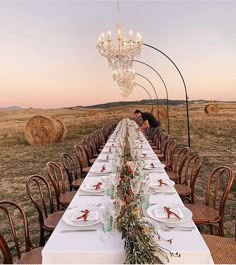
<point>148,166</point>
<point>154,184</point>
<point>69,215</point>
<point>88,187</point>
<point>187,214</point>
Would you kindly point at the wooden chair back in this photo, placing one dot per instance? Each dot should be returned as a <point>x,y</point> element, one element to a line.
<point>180,159</point>
<point>13,214</point>
<point>192,168</point>
<point>219,185</point>
<point>70,167</point>
<point>82,157</point>
<point>169,153</point>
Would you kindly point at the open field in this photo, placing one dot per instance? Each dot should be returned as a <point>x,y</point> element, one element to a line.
<point>213,136</point>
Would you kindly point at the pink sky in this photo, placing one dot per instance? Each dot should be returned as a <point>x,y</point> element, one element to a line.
<point>48,55</point>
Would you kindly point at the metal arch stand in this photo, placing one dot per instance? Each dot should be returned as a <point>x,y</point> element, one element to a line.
<point>153,89</point>
<point>167,97</point>
<point>186,94</point>
<point>147,93</point>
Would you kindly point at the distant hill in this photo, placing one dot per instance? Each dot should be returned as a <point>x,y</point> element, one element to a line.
<point>11,108</point>
<point>145,102</point>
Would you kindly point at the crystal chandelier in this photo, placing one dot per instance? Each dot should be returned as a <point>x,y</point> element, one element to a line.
<point>120,51</point>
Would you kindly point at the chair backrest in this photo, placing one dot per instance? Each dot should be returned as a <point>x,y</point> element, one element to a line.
<point>39,192</point>
<point>7,259</point>
<point>219,185</point>
<point>180,159</point>
<point>169,153</point>
<point>192,168</point>
<point>88,148</point>
<point>14,215</point>
<point>56,175</point>
<point>82,157</point>
<point>70,167</point>
<point>163,143</point>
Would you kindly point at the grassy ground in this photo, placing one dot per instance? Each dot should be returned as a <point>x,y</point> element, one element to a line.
<point>213,136</point>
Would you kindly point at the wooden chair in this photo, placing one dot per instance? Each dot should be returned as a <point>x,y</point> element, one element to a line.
<point>71,170</point>
<point>83,160</point>
<point>31,255</point>
<point>88,147</point>
<point>179,163</point>
<point>223,250</point>
<point>212,212</point>
<point>58,181</point>
<point>39,191</point>
<point>168,157</point>
<point>186,187</point>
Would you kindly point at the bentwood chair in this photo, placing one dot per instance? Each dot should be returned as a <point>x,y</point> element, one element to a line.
<point>83,160</point>
<point>212,212</point>
<point>39,192</point>
<point>71,169</point>
<point>223,250</point>
<point>179,162</point>
<point>169,151</point>
<point>59,183</point>
<point>186,187</point>
<point>14,216</point>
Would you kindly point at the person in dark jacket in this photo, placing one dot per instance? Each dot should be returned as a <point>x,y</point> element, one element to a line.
<point>149,121</point>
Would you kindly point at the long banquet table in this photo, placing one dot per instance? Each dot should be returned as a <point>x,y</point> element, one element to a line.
<point>86,247</point>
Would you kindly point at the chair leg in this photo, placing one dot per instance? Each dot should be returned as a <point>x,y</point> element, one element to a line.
<point>41,237</point>
<point>221,228</point>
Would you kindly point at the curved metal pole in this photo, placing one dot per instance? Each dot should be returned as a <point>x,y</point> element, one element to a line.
<point>167,98</point>
<point>153,89</point>
<point>147,92</point>
<point>186,94</point>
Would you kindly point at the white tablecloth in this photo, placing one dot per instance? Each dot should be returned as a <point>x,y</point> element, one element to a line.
<point>86,247</point>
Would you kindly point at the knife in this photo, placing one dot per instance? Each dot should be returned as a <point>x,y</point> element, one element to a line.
<point>78,230</point>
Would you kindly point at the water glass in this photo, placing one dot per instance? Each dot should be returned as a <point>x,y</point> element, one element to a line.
<point>135,185</point>
<point>144,201</point>
<point>144,186</point>
<point>106,219</point>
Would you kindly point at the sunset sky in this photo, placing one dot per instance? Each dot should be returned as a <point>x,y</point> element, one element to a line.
<point>48,56</point>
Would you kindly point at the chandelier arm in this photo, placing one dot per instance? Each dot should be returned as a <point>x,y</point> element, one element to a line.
<point>167,97</point>
<point>157,102</point>
<point>147,93</point>
<point>185,88</point>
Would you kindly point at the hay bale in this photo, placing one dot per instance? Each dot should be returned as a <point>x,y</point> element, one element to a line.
<point>211,109</point>
<point>41,130</point>
<point>92,113</point>
<point>162,113</point>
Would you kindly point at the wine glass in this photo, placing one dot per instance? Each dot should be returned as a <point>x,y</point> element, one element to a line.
<point>105,218</point>
<point>115,210</point>
<point>135,185</point>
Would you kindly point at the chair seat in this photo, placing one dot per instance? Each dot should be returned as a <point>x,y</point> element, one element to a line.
<point>173,175</point>
<point>33,256</point>
<point>92,160</point>
<point>96,155</point>
<point>67,197</point>
<point>223,250</point>
<point>52,220</point>
<point>202,213</point>
<point>77,182</point>
<point>86,169</point>
<point>156,151</point>
<point>183,190</point>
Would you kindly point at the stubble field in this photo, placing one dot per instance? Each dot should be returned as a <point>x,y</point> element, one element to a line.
<point>212,136</point>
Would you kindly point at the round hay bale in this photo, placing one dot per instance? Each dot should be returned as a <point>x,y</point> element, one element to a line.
<point>162,113</point>
<point>211,109</point>
<point>41,130</point>
<point>61,130</point>
<point>92,113</point>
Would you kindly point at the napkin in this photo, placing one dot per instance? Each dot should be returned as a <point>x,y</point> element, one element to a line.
<point>153,164</point>
<point>92,186</point>
<point>161,213</point>
<point>93,215</point>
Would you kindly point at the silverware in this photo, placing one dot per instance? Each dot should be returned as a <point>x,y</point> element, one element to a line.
<point>166,227</point>
<point>78,230</point>
<point>163,192</point>
<point>91,194</point>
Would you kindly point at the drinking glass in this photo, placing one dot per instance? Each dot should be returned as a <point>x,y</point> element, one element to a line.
<point>144,201</point>
<point>115,209</point>
<point>105,217</point>
<point>135,185</point>
<point>144,186</point>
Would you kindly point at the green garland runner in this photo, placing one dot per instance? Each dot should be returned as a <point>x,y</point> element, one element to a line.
<point>141,245</point>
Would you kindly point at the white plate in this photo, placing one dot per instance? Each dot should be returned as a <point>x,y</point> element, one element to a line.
<point>187,214</point>
<point>68,216</point>
<point>154,184</point>
<point>84,188</point>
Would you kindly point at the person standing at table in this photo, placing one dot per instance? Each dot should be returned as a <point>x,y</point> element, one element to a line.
<point>149,121</point>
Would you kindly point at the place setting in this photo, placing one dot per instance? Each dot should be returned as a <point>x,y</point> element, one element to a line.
<point>92,187</point>
<point>101,168</point>
<point>153,165</point>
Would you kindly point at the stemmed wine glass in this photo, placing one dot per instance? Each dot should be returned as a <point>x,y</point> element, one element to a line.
<point>105,217</point>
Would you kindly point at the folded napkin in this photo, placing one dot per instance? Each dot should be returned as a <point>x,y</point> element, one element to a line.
<point>84,215</point>
<point>153,164</point>
<point>160,183</point>
<point>101,168</point>
<point>167,212</point>
<point>105,157</point>
<point>94,186</point>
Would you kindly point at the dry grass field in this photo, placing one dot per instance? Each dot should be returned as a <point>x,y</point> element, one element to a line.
<point>213,136</point>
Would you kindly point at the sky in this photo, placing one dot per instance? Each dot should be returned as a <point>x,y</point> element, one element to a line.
<point>48,55</point>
